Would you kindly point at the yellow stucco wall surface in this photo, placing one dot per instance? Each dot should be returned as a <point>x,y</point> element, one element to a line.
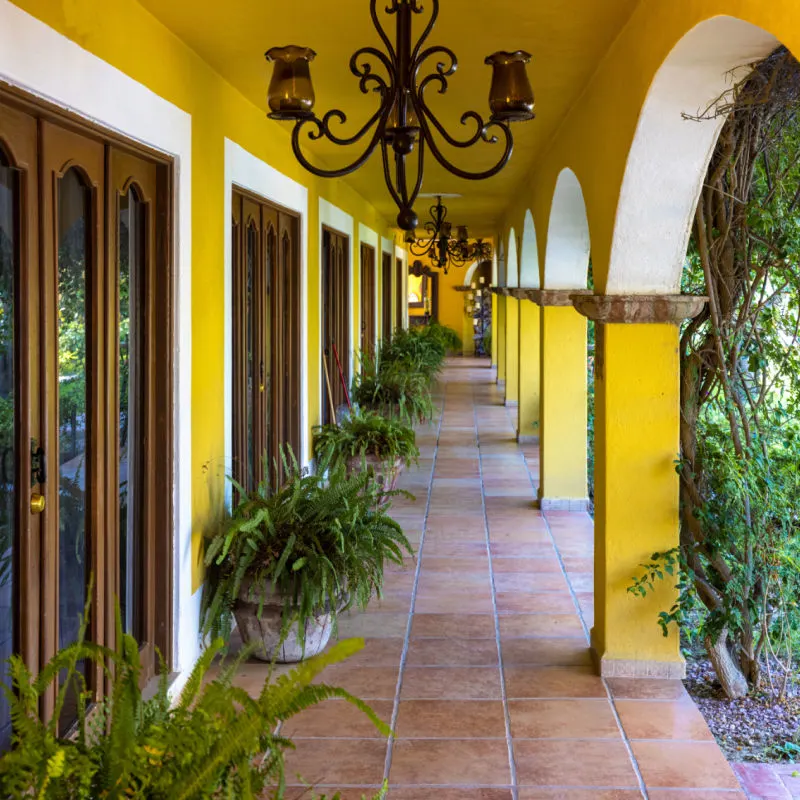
<point>563,404</point>
<point>636,515</point>
<point>529,370</point>
<point>125,35</point>
<point>512,349</point>
<point>499,333</point>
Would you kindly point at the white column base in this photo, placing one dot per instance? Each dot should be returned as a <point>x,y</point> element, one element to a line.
<point>564,503</point>
<point>524,438</point>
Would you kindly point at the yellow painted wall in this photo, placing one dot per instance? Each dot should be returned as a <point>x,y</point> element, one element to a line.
<point>499,334</point>
<point>125,35</point>
<point>529,369</point>
<point>563,404</point>
<point>636,442</point>
<point>512,349</point>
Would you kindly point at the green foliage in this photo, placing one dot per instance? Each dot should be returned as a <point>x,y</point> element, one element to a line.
<point>365,433</point>
<point>394,389</point>
<point>214,742</point>
<point>413,351</point>
<point>320,542</point>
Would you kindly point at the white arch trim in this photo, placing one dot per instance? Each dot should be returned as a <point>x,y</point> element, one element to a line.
<point>669,157</point>
<point>566,261</point>
<point>529,257</point>
<point>512,262</point>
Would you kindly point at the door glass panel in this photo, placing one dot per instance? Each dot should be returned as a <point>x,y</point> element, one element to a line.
<point>269,365</point>
<point>249,325</point>
<point>131,433</point>
<point>9,204</point>
<point>74,219</point>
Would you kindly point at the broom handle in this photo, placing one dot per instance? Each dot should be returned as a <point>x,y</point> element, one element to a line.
<point>328,384</point>
<point>341,377</point>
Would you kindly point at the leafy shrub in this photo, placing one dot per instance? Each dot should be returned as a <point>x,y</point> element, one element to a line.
<point>393,389</point>
<point>216,741</point>
<point>321,542</point>
<point>365,433</point>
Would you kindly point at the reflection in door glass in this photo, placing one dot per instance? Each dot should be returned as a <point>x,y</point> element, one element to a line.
<point>131,271</point>
<point>74,219</point>
<point>9,196</point>
<point>249,332</point>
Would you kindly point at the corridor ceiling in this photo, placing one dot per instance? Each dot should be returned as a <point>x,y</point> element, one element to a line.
<point>567,40</point>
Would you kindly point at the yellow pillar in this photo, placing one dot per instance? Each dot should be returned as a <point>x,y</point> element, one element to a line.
<point>500,331</point>
<point>563,405</point>
<point>512,350</point>
<point>529,372</point>
<point>495,312</point>
<point>637,405</point>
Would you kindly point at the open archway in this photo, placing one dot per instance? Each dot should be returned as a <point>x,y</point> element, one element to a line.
<point>529,257</point>
<point>567,257</point>
<point>669,156</point>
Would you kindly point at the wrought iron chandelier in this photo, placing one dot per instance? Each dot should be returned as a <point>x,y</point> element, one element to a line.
<point>442,248</point>
<point>403,123</point>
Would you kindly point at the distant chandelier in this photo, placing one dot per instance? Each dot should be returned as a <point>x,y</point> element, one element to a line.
<point>444,250</point>
<point>403,121</point>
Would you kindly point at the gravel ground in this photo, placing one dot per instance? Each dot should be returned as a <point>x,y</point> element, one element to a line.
<point>749,729</point>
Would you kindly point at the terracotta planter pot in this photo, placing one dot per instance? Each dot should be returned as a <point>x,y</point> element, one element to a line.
<point>386,474</point>
<point>265,630</point>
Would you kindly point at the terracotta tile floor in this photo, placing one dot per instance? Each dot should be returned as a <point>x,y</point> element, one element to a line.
<point>478,654</point>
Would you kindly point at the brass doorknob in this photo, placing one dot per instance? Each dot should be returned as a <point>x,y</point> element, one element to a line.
<point>37,503</point>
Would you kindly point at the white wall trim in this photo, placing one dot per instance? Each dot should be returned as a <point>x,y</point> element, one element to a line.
<point>246,171</point>
<point>566,262</point>
<point>402,254</point>
<point>41,61</point>
<point>333,217</point>
<point>368,236</point>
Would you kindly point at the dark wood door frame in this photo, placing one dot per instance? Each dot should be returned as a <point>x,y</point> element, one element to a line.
<point>335,323</point>
<point>368,303</point>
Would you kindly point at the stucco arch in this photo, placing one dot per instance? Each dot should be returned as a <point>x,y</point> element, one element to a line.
<point>512,261</point>
<point>567,257</point>
<point>669,156</point>
<point>529,257</point>
<point>499,276</point>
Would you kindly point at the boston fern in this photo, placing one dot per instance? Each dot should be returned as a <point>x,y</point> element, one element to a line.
<point>215,741</point>
<point>365,433</point>
<point>321,542</point>
<point>393,390</point>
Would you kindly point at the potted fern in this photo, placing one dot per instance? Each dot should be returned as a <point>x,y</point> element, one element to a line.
<point>212,741</point>
<point>394,389</point>
<point>367,440</point>
<point>285,563</point>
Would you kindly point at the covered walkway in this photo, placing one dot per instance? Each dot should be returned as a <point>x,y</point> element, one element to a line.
<point>479,652</point>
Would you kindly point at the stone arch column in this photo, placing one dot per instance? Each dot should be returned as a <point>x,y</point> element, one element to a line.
<point>637,401</point>
<point>511,303</point>
<point>563,478</point>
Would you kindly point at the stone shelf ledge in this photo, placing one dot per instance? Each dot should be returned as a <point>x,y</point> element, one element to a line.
<point>638,309</point>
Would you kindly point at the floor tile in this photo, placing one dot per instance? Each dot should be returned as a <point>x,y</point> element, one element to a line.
<point>643,719</point>
<point>565,762</point>
<point>340,718</point>
<point>538,603</point>
<point>337,762</point>
<point>563,625</point>
<point>458,683</point>
<point>547,682</point>
<point>689,765</point>
<point>452,653</point>
<point>567,719</point>
<point>447,719</point>
<point>572,652</point>
<point>461,626</point>
<point>450,761</point>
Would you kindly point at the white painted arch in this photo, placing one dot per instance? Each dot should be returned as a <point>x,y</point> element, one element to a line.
<point>566,261</point>
<point>669,156</point>
<point>512,261</point>
<point>529,257</point>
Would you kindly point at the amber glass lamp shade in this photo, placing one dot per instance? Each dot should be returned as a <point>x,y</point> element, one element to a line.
<point>291,93</point>
<point>462,234</point>
<point>511,96</point>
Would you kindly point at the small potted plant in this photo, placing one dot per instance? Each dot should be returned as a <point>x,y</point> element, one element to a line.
<point>367,440</point>
<point>285,563</point>
<point>394,389</point>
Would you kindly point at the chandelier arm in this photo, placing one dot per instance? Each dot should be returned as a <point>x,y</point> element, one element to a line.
<point>420,169</point>
<point>387,174</point>
<point>373,12</point>
<point>457,171</point>
<point>425,33</point>
<point>365,73</point>
<point>324,128</point>
<point>481,129</point>
<point>321,131</point>
<point>442,69</point>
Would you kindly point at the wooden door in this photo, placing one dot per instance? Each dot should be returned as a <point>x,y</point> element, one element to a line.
<point>386,297</point>
<point>335,321</point>
<point>85,398</point>
<point>367,299</point>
